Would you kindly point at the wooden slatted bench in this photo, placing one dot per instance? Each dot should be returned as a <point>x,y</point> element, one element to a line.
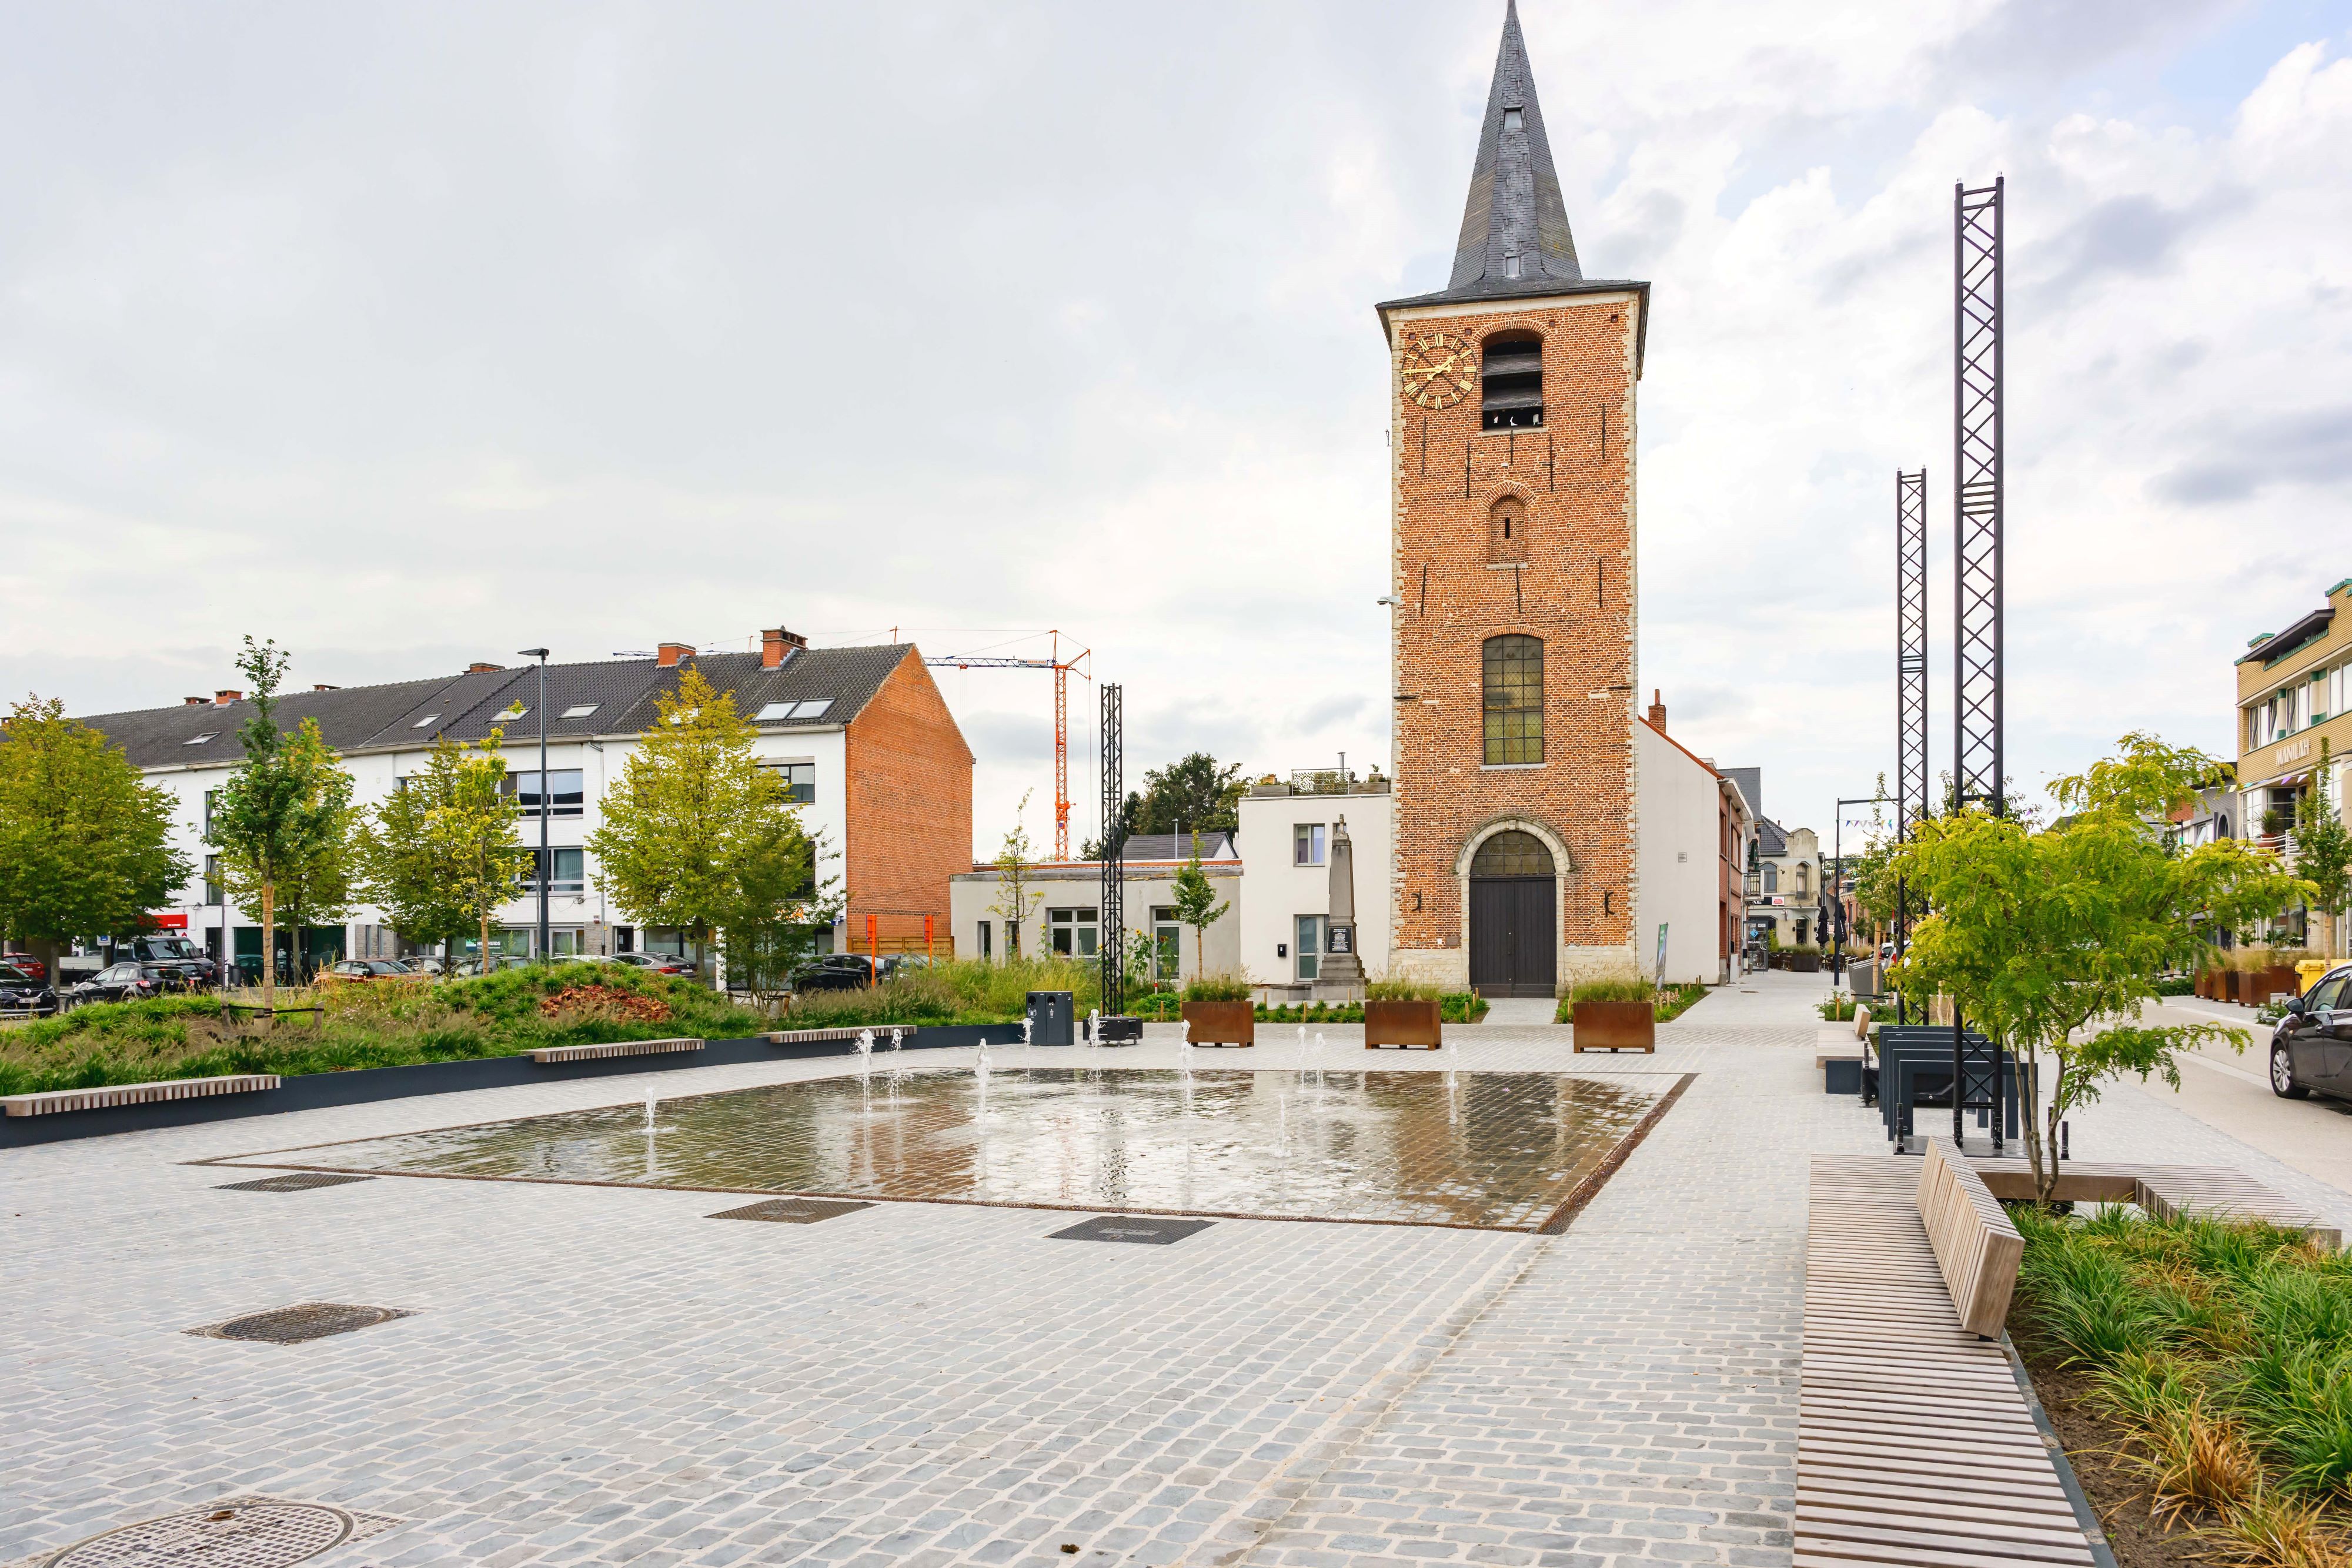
<point>812,1036</point>
<point>2165,1191</point>
<point>51,1102</point>
<point>549,1054</point>
<point>1914,1444</point>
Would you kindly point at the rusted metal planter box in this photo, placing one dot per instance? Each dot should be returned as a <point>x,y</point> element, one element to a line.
<point>1616,1026</point>
<point>1404,1025</point>
<point>1222,1023</point>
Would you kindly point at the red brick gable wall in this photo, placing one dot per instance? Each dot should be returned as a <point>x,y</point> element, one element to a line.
<point>909,809</point>
<point>1575,480</point>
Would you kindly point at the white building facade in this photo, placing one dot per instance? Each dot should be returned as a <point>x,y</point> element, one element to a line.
<point>1286,848</point>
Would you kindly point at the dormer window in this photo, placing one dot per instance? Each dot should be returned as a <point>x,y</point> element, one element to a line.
<point>1511,265</point>
<point>1511,378</point>
<point>1513,120</point>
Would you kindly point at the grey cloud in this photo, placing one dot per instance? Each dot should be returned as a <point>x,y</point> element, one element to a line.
<point>2309,448</point>
<point>2129,237</point>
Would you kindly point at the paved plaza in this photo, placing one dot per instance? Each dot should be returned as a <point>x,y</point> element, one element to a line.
<point>604,1375</point>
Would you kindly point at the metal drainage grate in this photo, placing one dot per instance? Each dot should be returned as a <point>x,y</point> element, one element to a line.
<point>234,1532</point>
<point>1139,1229</point>
<point>794,1210</point>
<point>292,1325</point>
<point>300,1181</point>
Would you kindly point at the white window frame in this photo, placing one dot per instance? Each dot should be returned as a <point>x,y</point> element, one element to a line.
<point>1310,843</point>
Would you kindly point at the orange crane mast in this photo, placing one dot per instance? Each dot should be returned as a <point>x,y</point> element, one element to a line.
<point>1062,669</point>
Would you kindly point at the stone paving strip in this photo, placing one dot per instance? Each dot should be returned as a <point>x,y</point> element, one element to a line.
<point>606,1376</point>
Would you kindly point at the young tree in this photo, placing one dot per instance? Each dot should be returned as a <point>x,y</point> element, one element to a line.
<point>283,811</point>
<point>2040,933</point>
<point>1015,863</point>
<point>443,851</point>
<point>692,815</point>
<point>2323,851</point>
<point>1196,902</point>
<point>85,845</point>
<point>778,904</point>
<point>315,884</point>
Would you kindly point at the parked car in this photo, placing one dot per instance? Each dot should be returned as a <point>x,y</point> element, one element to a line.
<point>369,969</point>
<point>128,983</point>
<point>25,964</point>
<point>192,964</point>
<point>656,962</point>
<point>504,961</point>
<point>24,993</point>
<point>836,972</point>
<point>2311,1048</point>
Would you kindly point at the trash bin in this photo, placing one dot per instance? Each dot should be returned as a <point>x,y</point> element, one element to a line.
<point>2308,970</point>
<point>1053,1018</point>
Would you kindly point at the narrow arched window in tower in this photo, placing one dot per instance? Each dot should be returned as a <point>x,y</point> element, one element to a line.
<point>1510,370</point>
<point>1513,679</point>
<point>1507,530</point>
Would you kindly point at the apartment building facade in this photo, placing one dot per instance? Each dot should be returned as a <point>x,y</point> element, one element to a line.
<point>2294,721</point>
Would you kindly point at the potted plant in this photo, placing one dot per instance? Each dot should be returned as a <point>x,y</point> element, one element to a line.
<point>1613,1015</point>
<point>1404,1015</point>
<point>1219,1011</point>
<point>1805,958</point>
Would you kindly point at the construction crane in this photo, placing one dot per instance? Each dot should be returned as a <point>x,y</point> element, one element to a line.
<point>1062,669</point>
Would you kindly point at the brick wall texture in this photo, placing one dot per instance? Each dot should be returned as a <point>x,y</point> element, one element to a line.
<point>909,809</point>
<point>1575,590</point>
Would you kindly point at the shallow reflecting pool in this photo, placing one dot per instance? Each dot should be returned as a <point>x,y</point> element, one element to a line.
<point>1500,1150</point>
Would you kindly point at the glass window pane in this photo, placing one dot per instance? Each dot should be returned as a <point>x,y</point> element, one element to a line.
<point>1513,699</point>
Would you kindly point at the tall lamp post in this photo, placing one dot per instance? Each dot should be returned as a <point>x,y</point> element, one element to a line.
<point>540,950</point>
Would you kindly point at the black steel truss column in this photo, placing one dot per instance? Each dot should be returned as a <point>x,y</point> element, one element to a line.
<point>1910,677</point>
<point>1111,920</point>
<point>1977,771</point>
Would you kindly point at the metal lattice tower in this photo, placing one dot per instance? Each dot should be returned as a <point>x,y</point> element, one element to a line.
<point>1977,761</point>
<point>1910,649</point>
<point>1111,919</point>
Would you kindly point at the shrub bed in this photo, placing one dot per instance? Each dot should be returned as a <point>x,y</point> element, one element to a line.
<point>383,1023</point>
<point>1453,1007</point>
<point>960,991</point>
<point>2218,1356</point>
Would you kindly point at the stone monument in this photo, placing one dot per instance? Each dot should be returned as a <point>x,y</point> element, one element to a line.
<point>1342,972</point>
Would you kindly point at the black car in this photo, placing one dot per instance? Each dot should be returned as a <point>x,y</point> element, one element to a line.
<point>194,966</point>
<point>129,983</point>
<point>836,972</point>
<point>2311,1050</point>
<point>21,993</point>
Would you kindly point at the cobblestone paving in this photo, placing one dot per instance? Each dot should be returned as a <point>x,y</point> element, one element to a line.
<point>604,1375</point>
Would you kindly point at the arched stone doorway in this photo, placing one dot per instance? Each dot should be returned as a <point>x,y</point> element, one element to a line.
<point>1514,916</point>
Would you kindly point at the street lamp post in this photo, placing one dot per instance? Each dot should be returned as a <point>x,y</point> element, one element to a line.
<point>540,950</point>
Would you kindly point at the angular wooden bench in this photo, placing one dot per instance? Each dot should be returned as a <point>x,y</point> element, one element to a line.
<point>2165,1191</point>
<point>549,1054</point>
<point>1914,1443</point>
<point>812,1036</point>
<point>51,1102</point>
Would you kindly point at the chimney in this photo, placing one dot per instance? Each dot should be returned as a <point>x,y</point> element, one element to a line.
<point>1657,712</point>
<point>775,646</point>
<point>195,702</point>
<point>670,653</point>
<point>224,697</point>
<point>478,668</point>
<point>324,686</point>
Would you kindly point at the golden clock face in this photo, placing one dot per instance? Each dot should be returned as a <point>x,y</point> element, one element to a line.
<point>1439,369</point>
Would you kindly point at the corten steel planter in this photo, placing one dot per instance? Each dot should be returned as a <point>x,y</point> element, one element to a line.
<point>1615,1026</point>
<point>2233,984</point>
<point>1222,1023</point>
<point>1805,963</point>
<point>2274,981</point>
<point>1404,1025</point>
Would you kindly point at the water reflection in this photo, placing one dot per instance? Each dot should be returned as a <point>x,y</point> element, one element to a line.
<point>1499,1149</point>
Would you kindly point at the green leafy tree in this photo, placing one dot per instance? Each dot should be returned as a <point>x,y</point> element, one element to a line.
<point>692,816</point>
<point>282,813</point>
<point>2043,934</point>
<point>2323,851</point>
<point>1193,793</point>
<point>85,842</point>
<point>779,904</point>
<point>444,850</point>
<point>318,884</point>
<point>1016,864</point>
<point>1196,904</point>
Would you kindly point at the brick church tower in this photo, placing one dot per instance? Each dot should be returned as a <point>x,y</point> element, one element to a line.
<point>1512,616</point>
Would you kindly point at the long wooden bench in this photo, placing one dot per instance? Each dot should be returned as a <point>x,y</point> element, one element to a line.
<point>1914,1444</point>
<point>549,1054</point>
<point>2165,1191</point>
<point>812,1036</point>
<point>51,1102</point>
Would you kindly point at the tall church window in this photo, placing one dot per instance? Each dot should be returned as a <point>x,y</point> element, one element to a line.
<point>1513,679</point>
<point>1510,372</point>
<point>1507,530</point>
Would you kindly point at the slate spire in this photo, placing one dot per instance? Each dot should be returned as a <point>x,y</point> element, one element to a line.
<point>1515,226</point>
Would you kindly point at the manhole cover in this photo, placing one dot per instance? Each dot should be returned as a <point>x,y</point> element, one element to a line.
<point>1148,1231</point>
<point>794,1210</point>
<point>300,1181</point>
<point>309,1320</point>
<point>234,1532</point>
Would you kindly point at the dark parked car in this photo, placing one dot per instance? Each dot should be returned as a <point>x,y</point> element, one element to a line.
<point>129,983</point>
<point>2311,1049</point>
<point>656,962</point>
<point>197,970</point>
<point>24,993</point>
<point>836,972</point>
<point>371,969</point>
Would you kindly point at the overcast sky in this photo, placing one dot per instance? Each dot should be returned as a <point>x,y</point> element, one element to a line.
<point>414,335</point>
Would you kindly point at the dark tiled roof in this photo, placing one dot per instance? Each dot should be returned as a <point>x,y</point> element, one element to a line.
<point>1214,846</point>
<point>1771,840</point>
<point>409,713</point>
<point>1514,208</point>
